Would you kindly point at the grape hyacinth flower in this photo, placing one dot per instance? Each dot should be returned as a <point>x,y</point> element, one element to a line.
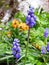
<point>31,18</point>
<point>47,48</point>
<point>16,49</point>
<point>43,50</point>
<point>46,33</point>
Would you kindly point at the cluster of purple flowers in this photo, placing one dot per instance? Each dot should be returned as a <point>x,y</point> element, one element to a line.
<point>16,49</point>
<point>31,18</point>
<point>46,33</point>
<point>44,49</point>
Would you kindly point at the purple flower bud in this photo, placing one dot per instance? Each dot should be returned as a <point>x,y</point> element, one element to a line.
<point>27,22</point>
<point>46,33</point>
<point>14,53</point>
<point>28,17</point>
<point>14,43</point>
<point>16,40</point>
<point>32,24</point>
<point>31,11</point>
<point>32,20</point>
<point>32,15</point>
<point>14,48</point>
<point>31,8</point>
<point>17,55</point>
<point>18,49</point>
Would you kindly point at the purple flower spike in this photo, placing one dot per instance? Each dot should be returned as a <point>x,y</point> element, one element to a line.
<point>46,33</point>
<point>43,51</point>
<point>16,49</point>
<point>47,48</point>
<point>31,18</point>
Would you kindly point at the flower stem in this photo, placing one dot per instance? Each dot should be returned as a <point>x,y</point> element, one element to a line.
<point>45,40</point>
<point>7,61</point>
<point>16,62</point>
<point>27,46</point>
